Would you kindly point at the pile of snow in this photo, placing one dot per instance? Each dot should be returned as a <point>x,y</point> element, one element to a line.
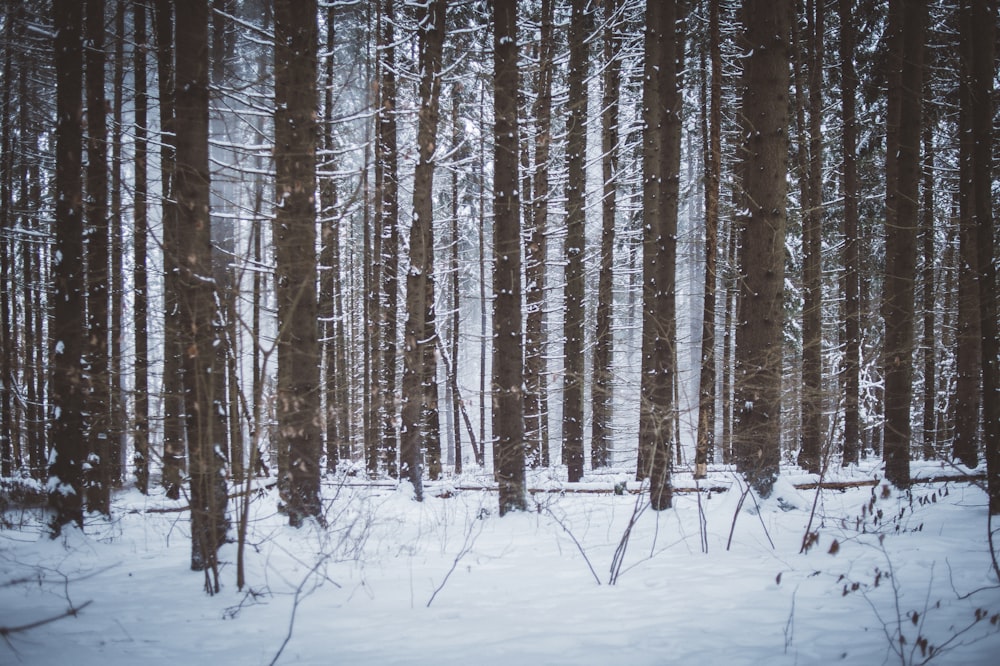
<point>447,581</point>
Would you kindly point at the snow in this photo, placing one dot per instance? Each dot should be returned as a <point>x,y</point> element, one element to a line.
<point>448,582</point>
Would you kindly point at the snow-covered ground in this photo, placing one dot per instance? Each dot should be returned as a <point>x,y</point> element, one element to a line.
<point>447,581</point>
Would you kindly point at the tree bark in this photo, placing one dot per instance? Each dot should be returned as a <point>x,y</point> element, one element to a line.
<point>661,176</point>
<point>983,37</point>
<point>140,432</point>
<point>206,425</point>
<point>298,406</point>
<point>851,257</point>
<point>508,373</point>
<point>757,431</point>
<point>535,249</point>
<point>419,330</point>
<point>67,386</point>
<point>601,389</point>
<point>712,126</point>
<point>901,233</point>
<point>174,464</point>
<point>576,149</point>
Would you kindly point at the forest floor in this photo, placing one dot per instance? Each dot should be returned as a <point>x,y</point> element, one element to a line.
<point>890,577</point>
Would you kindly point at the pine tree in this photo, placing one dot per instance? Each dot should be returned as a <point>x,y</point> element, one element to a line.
<point>67,386</point>
<point>508,378</point>
<point>764,154</point>
<point>295,137</point>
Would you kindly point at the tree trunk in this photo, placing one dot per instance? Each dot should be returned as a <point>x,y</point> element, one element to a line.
<point>712,132</point>
<point>419,334</point>
<point>97,476</point>
<point>851,257</point>
<point>810,454</point>
<point>983,38</point>
<point>116,407</point>
<point>173,400</point>
<point>601,389</point>
<point>387,241</point>
<point>508,374</point>
<point>757,431</point>
<point>67,387</point>
<point>901,235</point>
<point>928,347</point>
<point>140,433</point>
<point>298,406</point>
<point>968,398</point>
<point>576,149</point>
<point>206,425</point>
<point>535,248</point>
<point>661,178</point>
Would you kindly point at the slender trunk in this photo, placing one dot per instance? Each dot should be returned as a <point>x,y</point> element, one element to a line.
<point>757,431</point>
<point>851,257</point>
<point>602,392</point>
<point>117,405</point>
<point>67,386</point>
<point>576,149</point>
<point>140,294</point>
<point>173,405</point>
<point>712,133</point>
<point>294,231</point>
<point>901,233</point>
<point>535,398</point>
<point>508,374</point>
<point>419,335</point>
<point>928,300</point>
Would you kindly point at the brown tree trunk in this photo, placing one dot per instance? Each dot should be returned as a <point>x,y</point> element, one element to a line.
<point>757,431</point>
<point>928,301</point>
<point>810,454</point>
<point>140,432</point>
<point>851,257</point>
<point>535,396</point>
<point>508,373</point>
<point>206,425</point>
<point>97,479</point>
<point>67,388</point>
<point>298,405</point>
<point>661,165</point>
<point>419,335</point>
<point>576,149</point>
<point>601,389</point>
<point>901,233</point>
<point>968,398</point>
<point>174,463</point>
<point>712,132</point>
<point>983,37</point>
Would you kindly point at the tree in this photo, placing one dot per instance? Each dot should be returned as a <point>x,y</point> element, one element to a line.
<point>295,136</point>
<point>661,102</point>
<point>140,432</point>
<point>764,154</point>
<point>601,389</point>
<point>419,331</point>
<point>576,149</point>
<point>67,386</point>
<point>968,398</point>
<point>982,37</point>
<point>712,130</point>
<point>851,258</point>
<point>386,246</point>
<point>508,373</point>
<point>812,229</point>
<point>535,248</point>
<point>173,403</point>
<point>96,365</point>
<point>205,422</point>
<point>905,85</point>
